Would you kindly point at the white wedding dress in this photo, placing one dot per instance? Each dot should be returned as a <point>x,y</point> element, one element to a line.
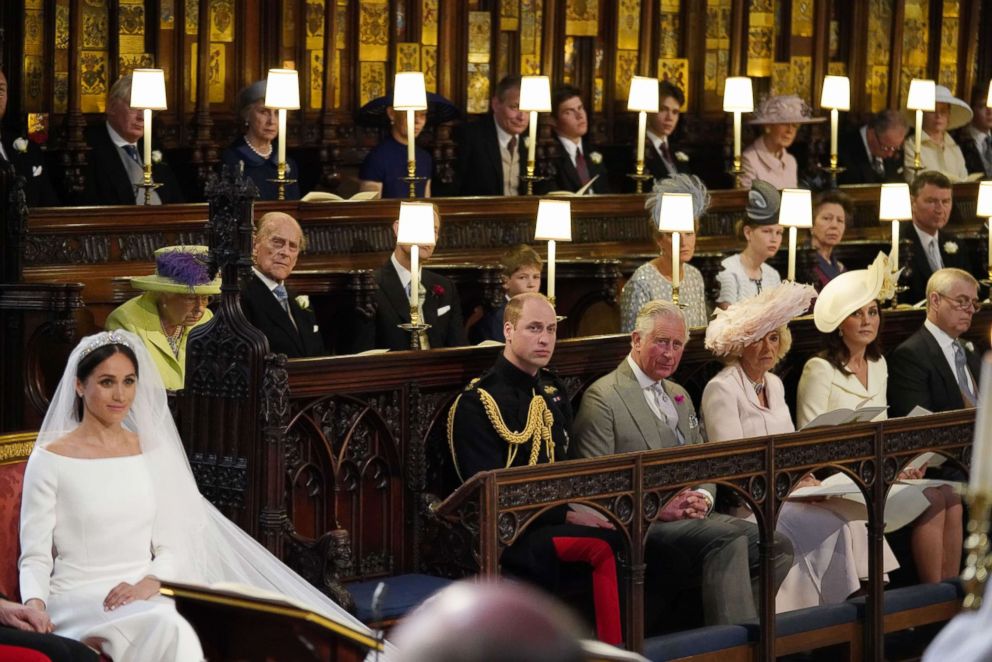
<point>86,526</point>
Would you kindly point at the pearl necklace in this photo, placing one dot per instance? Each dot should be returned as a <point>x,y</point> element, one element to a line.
<point>260,155</point>
<point>174,338</point>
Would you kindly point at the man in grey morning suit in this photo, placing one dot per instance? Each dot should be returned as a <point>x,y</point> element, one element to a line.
<point>689,547</point>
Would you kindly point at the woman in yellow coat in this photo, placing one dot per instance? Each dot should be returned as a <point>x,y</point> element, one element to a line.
<point>175,301</point>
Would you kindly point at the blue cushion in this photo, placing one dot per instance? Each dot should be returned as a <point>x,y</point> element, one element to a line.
<point>913,597</point>
<point>808,619</point>
<point>694,642</point>
<point>403,593</point>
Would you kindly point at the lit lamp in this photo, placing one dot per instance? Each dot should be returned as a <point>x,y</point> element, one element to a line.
<point>979,495</point>
<point>738,97</point>
<point>643,98</point>
<point>148,94</point>
<point>554,223</point>
<point>282,92</point>
<point>410,94</point>
<point>416,229</point>
<point>675,217</point>
<point>894,205</point>
<point>922,96</point>
<point>836,96</point>
<point>795,212</point>
<point>984,208</point>
<point>535,97</point>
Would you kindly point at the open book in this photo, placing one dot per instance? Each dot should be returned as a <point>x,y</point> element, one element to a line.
<point>582,191</point>
<point>324,196</point>
<point>842,416</point>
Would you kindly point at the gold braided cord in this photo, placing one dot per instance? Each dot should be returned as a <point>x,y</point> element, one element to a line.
<point>537,429</point>
<point>451,436</point>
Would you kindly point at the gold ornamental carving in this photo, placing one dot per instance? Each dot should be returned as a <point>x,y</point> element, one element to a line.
<point>676,71</point>
<point>128,62</point>
<point>93,72</point>
<point>478,87</point>
<point>167,14</point>
<point>428,61</point>
<point>670,27</point>
<point>192,17</point>
<point>582,18</point>
<point>479,37</point>
<point>879,50</point>
<point>949,33</point>
<point>628,25</point>
<point>717,45</point>
<point>373,32</point>
<point>626,69</point>
<point>761,39</point>
<point>802,18</point>
<point>428,22</point>
<point>315,69</point>
<point>373,81</point>
<point>509,15</point>
<point>408,56</point>
<point>222,21</point>
<point>315,25</point>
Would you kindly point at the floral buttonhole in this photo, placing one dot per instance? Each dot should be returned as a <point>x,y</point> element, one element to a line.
<point>950,247</point>
<point>679,399</point>
<point>21,145</point>
<point>437,290</point>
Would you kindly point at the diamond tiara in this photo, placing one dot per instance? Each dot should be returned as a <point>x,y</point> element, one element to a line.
<point>105,338</point>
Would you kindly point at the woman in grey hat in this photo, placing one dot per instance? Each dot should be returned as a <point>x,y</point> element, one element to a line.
<point>746,274</point>
<point>255,150</point>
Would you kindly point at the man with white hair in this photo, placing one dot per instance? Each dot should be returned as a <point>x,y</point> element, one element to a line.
<point>115,163</point>
<point>689,547</point>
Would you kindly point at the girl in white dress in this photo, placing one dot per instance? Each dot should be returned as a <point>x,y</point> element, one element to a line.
<point>110,508</point>
<point>852,373</point>
<point>747,273</point>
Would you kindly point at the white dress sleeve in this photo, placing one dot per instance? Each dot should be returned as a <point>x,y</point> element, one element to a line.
<point>730,291</point>
<point>38,526</point>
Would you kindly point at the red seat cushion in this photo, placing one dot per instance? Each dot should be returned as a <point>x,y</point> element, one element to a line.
<point>11,482</point>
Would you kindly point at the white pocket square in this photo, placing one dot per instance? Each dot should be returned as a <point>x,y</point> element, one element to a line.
<point>316,328</point>
<point>443,310</point>
<point>36,171</point>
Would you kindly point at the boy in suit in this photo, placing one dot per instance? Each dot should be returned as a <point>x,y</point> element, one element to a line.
<point>521,273</point>
<point>577,163</point>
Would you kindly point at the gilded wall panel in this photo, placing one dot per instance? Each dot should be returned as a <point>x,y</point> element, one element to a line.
<point>34,83</point>
<point>478,87</point>
<point>372,81</point>
<point>782,79</point>
<point>222,21</point>
<point>879,49</point>
<point>628,25</point>
<point>428,22</point>
<point>626,69</point>
<point>949,31</point>
<point>531,22</point>
<point>61,91</point>
<point>315,67</point>
<point>62,25</point>
<point>670,29</point>
<point>509,15</point>
<point>568,59</point>
<point>128,62</point>
<point>315,25</point>
<point>837,69</point>
<point>676,70</point>
<point>34,4</point>
<point>428,61</point>
<point>342,25</point>
<point>131,27</point>
<point>373,34</point>
<point>599,78</point>
<point>95,33</point>
<point>408,56</point>
<point>761,38</point>
<point>802,18</point>
<point>192,17</point>
<point>717,45</point>
<point>288,23</point>
<point>479,36</point>
<point>582,18</point>
<point>60,86</point>
<point>34,32</point>
<point>93,86</point>
<point>802,76</point>
<point>167,14</point>
<point>914,34</point>
<point>216,73</point>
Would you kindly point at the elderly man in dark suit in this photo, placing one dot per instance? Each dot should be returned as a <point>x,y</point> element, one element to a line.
<point>637,408</point>
<point>577,163</point>
<point>933,368</point>
<point>872,154</point>
<point>491,152</point>
<point>933,248</point>
<point>291,329</point>
<point>440,306</point>
<point>114,164</point>
<point>662,158</point>
<point>27,158</point>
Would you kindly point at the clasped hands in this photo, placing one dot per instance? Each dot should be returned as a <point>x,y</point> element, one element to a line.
<point>687,504</point>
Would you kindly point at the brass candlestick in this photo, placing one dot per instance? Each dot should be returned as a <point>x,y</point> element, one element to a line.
<point>976,546</point>
<point>640,177</point>
<point>281,181</point>
<point>147,184</point>
<point>415,328</point>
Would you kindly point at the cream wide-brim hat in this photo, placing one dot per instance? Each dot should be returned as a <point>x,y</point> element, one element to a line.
<point>848,292</point>
<point>960,112</point>
<point>158,282</point>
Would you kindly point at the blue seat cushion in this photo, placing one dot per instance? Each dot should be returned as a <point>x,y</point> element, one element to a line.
<point>913,597</point>
<point>403,593</point>
<point>694,642</point>
<point>808,619</point>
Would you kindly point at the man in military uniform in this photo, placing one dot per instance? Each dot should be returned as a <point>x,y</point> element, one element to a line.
<point>518,414</point>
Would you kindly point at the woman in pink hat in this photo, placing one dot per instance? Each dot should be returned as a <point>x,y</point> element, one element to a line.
<point>766,158</point>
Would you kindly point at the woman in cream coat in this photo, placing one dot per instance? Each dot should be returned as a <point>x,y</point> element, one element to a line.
<point>747,400</point>
<point>851,373</point>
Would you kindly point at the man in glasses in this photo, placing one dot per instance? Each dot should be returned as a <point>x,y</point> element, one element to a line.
<point>933,368</point>
<point>873,153</point>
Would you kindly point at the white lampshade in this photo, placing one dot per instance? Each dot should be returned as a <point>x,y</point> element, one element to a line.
<point>894,203</point>
<point>796,209</point>
<point>554,220</point>
<point>836,93</point>
<point>922,95</point>
<point>282,89</point>
<point>148,89</point>
<point>738,95</point>
<point>409,91</point>
<point>984,207</point>
<point>676,213</point>
<point>416,224</point>
<point>643,94</point>
<point>535,94</point>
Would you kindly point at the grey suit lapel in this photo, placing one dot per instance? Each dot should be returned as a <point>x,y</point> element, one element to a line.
<point>647,423</point>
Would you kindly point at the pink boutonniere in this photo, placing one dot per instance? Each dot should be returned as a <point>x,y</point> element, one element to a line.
<point>679,399</point>
<point>437,290</point>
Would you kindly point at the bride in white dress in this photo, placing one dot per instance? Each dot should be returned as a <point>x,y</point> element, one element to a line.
<point>110,508</point>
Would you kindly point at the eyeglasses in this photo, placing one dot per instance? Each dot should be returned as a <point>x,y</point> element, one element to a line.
<point>194,299</point>
<point>882,147</point>
<point>962,303</point>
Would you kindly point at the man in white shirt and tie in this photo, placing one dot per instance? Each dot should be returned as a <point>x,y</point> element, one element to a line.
<point>933,247</point>
<point>690,548</point>
<point>934,368</point>
<point>661,158</point>
<point>115,162</point>
<point>975,139</point>
<point>577,163</point>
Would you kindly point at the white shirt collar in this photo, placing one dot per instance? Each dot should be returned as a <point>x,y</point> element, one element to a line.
<point>926,238</point>
<point>502,136</point>
<point>944,340</point>
<point>269,283</point>
<point>116,137</point>
<point>656,140</point>
<point>570,147</point>
<point>642,379</point>
<point>401,271</point>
